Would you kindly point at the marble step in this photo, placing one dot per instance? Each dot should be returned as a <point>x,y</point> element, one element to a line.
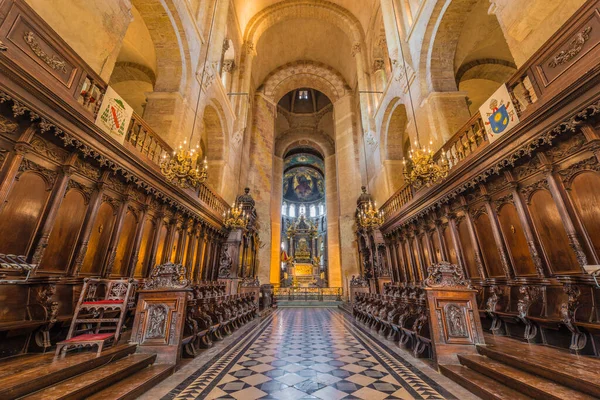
<point>86,384</point>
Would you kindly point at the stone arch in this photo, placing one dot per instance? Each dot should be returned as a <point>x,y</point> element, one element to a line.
<point>304,74</point>
<point>293,9</point>
<point>168,34</point>
<point>393,131</point>
<point>481,78</point>
<point>304,137</point>
<point>436,66</point>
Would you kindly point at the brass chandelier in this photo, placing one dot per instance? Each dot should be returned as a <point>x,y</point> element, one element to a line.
<point>369,217</point>
<point>421,169</point>
<point>184,168</point>
<point>235,217</point>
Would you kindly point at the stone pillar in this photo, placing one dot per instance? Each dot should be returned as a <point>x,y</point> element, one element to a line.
<point>260,179</point>
<point>334,266</point>
<point>349,183</point>
<point>527,25</point>
<point>275,216</point>
<point>162,112</point>
<point>447,112</point>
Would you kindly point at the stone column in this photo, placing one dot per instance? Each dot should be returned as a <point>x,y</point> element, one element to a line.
<point>162,112</point>
<point>275,216</point>
<point>446,112</point>
<point>260,179</point>
<point>349,183</point>
<point>334,266</point>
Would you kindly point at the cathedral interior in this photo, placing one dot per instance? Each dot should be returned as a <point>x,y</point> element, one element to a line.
<point>299,199</point>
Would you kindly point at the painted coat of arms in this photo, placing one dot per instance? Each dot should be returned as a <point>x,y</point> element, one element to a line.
<point>114,115</point>
<point>498,114</point>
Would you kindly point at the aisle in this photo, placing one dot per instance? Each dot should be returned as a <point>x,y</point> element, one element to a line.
<point>309,353</point>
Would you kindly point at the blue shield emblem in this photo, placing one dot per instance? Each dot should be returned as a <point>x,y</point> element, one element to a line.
<point>499,120</point>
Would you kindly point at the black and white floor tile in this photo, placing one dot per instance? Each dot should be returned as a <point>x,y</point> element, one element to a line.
<point>312,353</point>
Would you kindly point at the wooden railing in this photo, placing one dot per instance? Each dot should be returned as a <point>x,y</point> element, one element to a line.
<point>145,141</point>
<point>535,84</point>
<point>469,138</point>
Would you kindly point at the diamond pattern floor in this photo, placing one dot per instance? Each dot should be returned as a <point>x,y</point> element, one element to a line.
<point>308,353</point>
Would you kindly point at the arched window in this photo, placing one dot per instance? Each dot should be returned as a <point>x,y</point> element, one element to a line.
<point>302,210</point>
<point>284,209</point>
<point>321,209</point>
<point>292,211</point>
<point>313,211</point>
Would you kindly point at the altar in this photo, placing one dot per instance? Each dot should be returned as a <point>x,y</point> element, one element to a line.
<point>303,266</point>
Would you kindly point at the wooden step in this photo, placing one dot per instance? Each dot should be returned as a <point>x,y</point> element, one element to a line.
<point>481,385</point>
<point>27,378</point>
<point>84,385</point>
<point>577,372</point>
<point>135,385</point>
<point>529,384</point>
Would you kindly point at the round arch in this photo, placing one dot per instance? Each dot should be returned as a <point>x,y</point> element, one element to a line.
<point>172,52</point>
<point>304,74</point>
<point>293,9</point>
<point>393,131</point>
<point>304,137</point>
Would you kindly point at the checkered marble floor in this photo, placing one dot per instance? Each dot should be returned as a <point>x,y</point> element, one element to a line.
<point>308,353</point>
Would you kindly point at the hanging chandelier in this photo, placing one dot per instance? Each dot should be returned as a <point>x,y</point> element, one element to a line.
<point>421,169</point>
<point>184,168</point>
<point>369,217</point>
<point>235,217</point>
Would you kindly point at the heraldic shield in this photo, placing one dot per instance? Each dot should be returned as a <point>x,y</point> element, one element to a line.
<point>499,119</point>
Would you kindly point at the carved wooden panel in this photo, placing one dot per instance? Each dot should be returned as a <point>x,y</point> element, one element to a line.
<point>408,260</point>
<point>161,243</point>
<point>416,258</point>
<point>467,249</point>
<point>30,47</point>
<point>450,246</point>
<point>145,248</point>
<point>585,194</point>
<point>65,232</point>
<point>437,247</point>
<point>125,244</point>
<point>485,235</point>
<point>425,249</point>
<point>98,244</point>
<point>21,213</point>
<point>581,42</point>
<point>173,250</point>
<point>551,231</point>
<point>516,243</point>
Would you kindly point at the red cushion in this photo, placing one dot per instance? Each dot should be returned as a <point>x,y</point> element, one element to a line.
<point>90,337</point>
<point>103,302</point>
